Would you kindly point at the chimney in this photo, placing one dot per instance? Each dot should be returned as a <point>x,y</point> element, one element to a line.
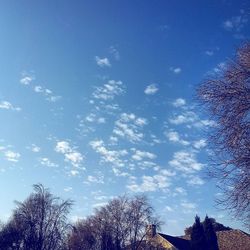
<point>151,230</point>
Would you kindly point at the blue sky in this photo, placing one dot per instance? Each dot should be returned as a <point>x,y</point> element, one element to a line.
<point>97,100</point>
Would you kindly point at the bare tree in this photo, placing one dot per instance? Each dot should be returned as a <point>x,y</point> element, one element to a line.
<point>121,224</point>
<point>40,221</point>
<point>227,97</point>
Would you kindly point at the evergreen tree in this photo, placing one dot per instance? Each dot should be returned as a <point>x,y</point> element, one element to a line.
<point>198,240</point>
<point>210,234</point>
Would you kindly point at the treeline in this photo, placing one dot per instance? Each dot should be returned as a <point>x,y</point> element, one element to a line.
<point>41,223</point>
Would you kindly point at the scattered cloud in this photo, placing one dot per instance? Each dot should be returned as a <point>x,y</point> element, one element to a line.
<point>35,148</point>
<point>179,102</point>
<point>174,136</point>
<point>9,106</point>
<point>188,205</point>
<point>47,162</point>
<point>176,70</point>
<point>200,144</point>
<point>235,23</point>
<point>12,156</point>
<point>47,93</point>
<point>185,162</point>
<point>95,179</point>
<point>26,78</point>
<point>109,90</point>
<point>130,126</point>
<point>150,183</point>
<point>110,156</point>
<point>191,119</point>
<point>195,180</point>
<point>102,62</point>
<point>70,153</point>
<point>113,50</point>
<point>93,118</point>
<point>151,89</point>
<point>141,155</point>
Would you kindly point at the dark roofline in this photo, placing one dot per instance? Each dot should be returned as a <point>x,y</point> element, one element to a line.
<point>178,242</point>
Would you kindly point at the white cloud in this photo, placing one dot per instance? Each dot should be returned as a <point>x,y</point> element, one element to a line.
<point>93,118</point>
<point>12,156</point>
<point>70,153</point>
<point>129,126</point>
<point>200,144</point>
<point>169,209</point>
<point>195,180</point>
<point>174,136</point>
<point>188,205</point>
<point>26,79</point>
<point>181,190</point>
<point>186,162</point>
<point>9,106</point>
<point>47,162</point>
<point>191,119</point>
<point>102,62</point>
<point>68,189</point>
<point>109,90</point>
<point>176,70</point>
<point>150,184</point>
<point>95,179</point>
<point>140,155</point>
<point>47,93</point>
<point>179,102</point>
<point>111,156</point>
<point>35,148</point>
<point>151,89</point>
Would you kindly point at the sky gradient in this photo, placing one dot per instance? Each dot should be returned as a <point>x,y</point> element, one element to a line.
<point>97,99</point>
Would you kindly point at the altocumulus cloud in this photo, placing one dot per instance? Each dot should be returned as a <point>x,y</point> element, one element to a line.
<point>102,62</point>
<point>7,105</point>
<point>151,89</point>
<point>70,153</point>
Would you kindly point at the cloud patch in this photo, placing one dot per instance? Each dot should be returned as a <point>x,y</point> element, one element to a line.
<point>185,161</point>
<point>8,106</point>
<point>102,62</point>
<point>129,126</point>
<point>70,153</point>
<point>109,90</point>
<point>151,89</point>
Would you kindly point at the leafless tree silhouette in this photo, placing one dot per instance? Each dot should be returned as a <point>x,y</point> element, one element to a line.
<point>227,97</point>
<point>38,223</point>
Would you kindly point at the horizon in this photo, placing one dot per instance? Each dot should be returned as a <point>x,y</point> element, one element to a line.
<point>98,100</point>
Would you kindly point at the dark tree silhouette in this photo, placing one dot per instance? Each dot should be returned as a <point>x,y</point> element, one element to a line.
<point>216,226</point>
<point>227,98</point>
<point>198,240</point>
<point>210,234</point>
<point>115,226</point>
<point>38,223</point>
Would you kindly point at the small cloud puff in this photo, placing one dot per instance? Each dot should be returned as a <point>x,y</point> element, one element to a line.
<point>185,162</point>
<point>70,153</point>
<point>26,79</point>
<point>8,106</point>
<point>151,89</point>
<point>179,102</point>
<point>12,156</point>
<point>175,70</point>
<point>174,136</point>
<point>102,62</point>
<point>109,90</point>
<point>129,126</point>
